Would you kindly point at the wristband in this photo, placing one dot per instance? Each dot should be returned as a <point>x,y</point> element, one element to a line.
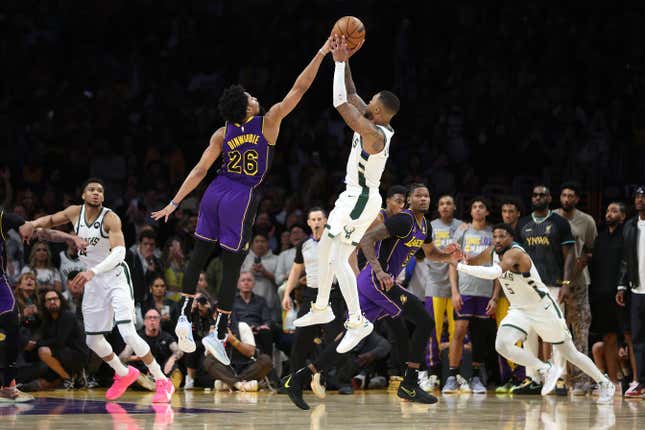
<point>173,204</point>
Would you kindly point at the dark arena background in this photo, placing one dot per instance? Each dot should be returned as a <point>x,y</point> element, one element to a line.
<point>501,99</point>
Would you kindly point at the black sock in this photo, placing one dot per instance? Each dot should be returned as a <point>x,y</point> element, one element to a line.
<point>411,376</point>
<point>475,371</point>
<point>454,371</point>
<point>222,325</point>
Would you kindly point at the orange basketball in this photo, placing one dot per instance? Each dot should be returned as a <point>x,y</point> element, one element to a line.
<point>352,28</point>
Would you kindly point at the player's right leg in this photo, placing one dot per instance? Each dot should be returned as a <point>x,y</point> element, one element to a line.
<point>9,348</point>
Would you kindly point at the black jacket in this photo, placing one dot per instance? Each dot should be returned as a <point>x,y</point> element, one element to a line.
<point>138,276</point>
<point>605,263</point>
<point>629,264</point>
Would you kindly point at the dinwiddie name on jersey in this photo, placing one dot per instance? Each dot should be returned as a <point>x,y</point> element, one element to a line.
<point>242,139</point>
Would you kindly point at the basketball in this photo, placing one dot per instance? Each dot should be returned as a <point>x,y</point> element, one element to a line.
<point>352,28</point>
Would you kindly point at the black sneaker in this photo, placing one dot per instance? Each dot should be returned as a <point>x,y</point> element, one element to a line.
<point>414,393</point>
<point>528,386</point>
<point>293,385</point>
<point>346,389</point>
<point>560,388</point>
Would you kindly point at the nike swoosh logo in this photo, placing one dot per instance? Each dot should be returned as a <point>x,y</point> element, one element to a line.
<point>411,393</point>
<point>287,382</point>
<point>547,307</point>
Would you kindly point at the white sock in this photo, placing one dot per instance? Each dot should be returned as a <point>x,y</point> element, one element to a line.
<point>189,380</point>
<point>347,279</point>
<point>325,274</point>
<point>118,367</point>
<point>155,371</point>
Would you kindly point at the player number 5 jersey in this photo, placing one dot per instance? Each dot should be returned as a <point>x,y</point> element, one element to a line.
<point>364,170</point>
<point>522,291</point>
<point>98,243</point>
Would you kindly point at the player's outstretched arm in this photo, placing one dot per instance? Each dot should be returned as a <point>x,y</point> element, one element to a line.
<point>196,175</point>
<point>373,138</point>
<point>50,235</point>
<point>59,218</point>
<point>352,95</point>
<point>281,109</point>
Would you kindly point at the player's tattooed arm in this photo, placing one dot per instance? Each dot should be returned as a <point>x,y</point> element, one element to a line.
<point>352,95</point>
<point>367,244</point>
<point>50,235</point>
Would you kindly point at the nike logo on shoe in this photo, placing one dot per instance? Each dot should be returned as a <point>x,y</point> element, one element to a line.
<point>287,382</point>
<point>411,393</point>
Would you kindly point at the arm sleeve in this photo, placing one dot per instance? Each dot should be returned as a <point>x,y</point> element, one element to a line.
<point>482,272</point>
<point>114,258</point>
<point>340,92</point>
<point>299,259</point>
<point>399,225</point>
<point>246,334</point>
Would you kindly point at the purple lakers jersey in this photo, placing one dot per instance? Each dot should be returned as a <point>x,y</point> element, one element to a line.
<point>7,301</point>
<point>407,235</point>
<point>246,154</point>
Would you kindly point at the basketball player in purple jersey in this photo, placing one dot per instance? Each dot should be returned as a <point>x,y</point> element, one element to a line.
<point>9,321</point>
<point>388,247</point>
<point>228,207</point>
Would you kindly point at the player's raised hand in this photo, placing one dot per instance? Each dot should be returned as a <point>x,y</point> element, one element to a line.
<point>164,213</point>
<point>326,48</point>
<point>339,49</point>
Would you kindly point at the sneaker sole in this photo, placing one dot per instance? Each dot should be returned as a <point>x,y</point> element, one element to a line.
<point>329,319</point>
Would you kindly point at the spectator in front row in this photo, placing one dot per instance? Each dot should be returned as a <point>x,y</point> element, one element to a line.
<point>252,310</point>
<point>202,319</point>
<point>142,262</point>
<point>40,263</point>
<point>157,300</point>
<point>162,346</point>
<point>263,263</point>
<point>247,367</point>
<point>62,345</point>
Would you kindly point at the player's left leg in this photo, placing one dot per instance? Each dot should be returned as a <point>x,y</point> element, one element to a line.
<point>9,348</point>
<point>584,363</point>
<point>358,326</point>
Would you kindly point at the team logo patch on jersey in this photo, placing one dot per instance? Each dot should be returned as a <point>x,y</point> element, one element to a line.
<point>348,232</point>
<point>97,224</point>
<point>548,229</point>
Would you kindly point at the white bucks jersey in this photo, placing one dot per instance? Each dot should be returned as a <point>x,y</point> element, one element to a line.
<point>98,243</point>
<point>523,290</point>
<point>364,170</point>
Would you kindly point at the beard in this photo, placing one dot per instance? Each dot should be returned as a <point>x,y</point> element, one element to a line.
<point>539,206</point>
<point>568,208</point>
<point>611,222</point>
<point>92,204</point>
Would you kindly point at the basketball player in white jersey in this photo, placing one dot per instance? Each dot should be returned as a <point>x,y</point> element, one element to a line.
<point>108,297</point>
<point>532,308</point>
<point>359,204</point>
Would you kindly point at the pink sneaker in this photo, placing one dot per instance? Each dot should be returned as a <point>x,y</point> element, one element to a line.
<point>121,383</point>
<point>164,391</point>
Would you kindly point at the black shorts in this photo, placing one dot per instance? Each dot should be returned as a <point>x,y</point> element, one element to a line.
<point>604,315</point>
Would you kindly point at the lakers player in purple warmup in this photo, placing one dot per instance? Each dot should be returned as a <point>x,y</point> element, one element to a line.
<point>228,207</point>
<point>388,247</point>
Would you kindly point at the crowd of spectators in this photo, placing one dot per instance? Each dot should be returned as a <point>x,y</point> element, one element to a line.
<point>494,100</point>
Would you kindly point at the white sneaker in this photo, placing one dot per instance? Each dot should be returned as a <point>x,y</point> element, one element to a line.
<point>550,377</point>
<point>216,347</point>
<point>354,334</point>
<point>189,384</point>
<point>184,332</point>
<point>579,389</point>
<point>221,385</point>
<point>607,392</point>
<point>476,385</point>
<point>315,316</point>
<point>316,387</point>
<point>429,384</point>
<point>464,386</point>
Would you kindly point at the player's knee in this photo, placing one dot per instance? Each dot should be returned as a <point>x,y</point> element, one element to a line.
<point>130,337</point>
<point>501,345</point>
<point>98,344</point>
<point>44,352</point>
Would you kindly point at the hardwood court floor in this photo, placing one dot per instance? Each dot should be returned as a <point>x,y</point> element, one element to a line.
<point>87,410</point>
